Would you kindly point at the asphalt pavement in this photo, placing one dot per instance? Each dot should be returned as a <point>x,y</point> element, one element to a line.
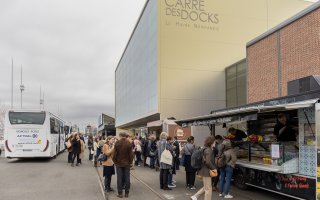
<point>48,179</point>
<point>145,185</point>
<point>55,179</point>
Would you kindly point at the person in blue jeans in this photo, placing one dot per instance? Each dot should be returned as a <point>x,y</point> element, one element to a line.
<point>227,171</point>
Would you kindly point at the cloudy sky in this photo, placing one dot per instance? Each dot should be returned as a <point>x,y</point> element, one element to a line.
<point>68,47</point>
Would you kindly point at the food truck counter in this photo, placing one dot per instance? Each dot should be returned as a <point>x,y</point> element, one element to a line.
<point>259,166</point>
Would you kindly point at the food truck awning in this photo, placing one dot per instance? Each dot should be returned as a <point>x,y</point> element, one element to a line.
<point>155,123</point>
<point>244,113</point>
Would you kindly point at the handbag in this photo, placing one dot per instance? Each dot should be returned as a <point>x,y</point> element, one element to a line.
<point>213,173</point>
<point>102,157</point>
<point>152,153</point>
<point>166,156</point>
<point>68,144</point>
<point>138,148</point>
<point>148,161</point>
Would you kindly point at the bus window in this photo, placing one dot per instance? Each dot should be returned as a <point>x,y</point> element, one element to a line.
<point>54,126</point>
<point>27,118</point>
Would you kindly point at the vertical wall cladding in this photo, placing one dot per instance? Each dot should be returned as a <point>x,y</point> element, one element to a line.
<point>300,49</point>
<point>136,75</point>
<point>262,69</point>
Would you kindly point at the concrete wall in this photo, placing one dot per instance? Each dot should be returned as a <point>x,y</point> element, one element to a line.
<point>194,52</point>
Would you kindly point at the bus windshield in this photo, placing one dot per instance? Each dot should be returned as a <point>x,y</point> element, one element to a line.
<point>27,117</point>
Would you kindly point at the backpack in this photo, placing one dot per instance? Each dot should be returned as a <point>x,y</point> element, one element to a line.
<point>197,158</point>
<point>220,160</point>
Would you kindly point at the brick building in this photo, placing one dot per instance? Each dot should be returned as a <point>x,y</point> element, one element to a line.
<point>289,51</point>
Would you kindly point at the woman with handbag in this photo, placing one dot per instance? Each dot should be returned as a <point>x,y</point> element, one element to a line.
<point>164,160</point>
<point>204,172</point>
<point>108,165</point>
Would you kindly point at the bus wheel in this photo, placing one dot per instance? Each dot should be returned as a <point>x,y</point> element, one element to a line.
<point>240,180</point>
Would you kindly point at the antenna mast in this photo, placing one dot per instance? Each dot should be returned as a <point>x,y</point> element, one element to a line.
<point>21,87</point>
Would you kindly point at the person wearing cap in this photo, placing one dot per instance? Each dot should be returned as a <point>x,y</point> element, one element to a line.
<point>227,171</point>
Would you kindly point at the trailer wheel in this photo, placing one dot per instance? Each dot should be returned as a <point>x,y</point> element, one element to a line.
<point>240,180</point>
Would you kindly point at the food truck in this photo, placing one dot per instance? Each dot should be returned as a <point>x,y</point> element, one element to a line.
<point>290,168</point>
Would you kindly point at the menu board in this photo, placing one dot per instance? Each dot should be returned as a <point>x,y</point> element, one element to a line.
<point>275,151</point>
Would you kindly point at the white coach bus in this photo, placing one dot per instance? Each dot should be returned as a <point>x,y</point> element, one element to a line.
<point>33,133</point>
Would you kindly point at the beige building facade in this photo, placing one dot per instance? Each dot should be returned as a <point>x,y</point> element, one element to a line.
<point>174,63</point>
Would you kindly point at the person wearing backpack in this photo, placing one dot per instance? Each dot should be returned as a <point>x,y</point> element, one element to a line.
<point>207,165</point>
<point>190,171</point>
<point>227,171</point>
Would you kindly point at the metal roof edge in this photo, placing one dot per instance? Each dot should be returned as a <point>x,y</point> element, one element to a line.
<point>285,23</point>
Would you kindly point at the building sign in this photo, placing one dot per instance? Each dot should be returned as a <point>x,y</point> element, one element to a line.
<point>191,14</point>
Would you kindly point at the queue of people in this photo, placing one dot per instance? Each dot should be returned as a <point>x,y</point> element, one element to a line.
<point>118,156</point>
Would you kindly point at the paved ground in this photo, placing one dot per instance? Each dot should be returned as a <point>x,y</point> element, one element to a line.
<point>145,185</point>
<point>48,179</point>
<point>52,179</point>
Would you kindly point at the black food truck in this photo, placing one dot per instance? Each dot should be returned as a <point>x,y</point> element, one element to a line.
<point>274,157</point>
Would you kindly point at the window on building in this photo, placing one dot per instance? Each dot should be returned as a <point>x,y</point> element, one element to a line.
<point>236,84</point>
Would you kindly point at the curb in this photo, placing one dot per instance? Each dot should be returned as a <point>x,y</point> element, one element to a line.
<point>101,185</point>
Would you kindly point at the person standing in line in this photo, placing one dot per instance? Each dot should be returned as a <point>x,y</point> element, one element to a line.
<point>76,149</point>
<point>145,142</point>
<point>208,164</point>
<point>177,152</point>
<point>122,158</point>
<point>70,140</point>
<point>164,168</point>
<point>137,151</point>
<point>190,171</point>
<point>172,171</point>
<point>227,171</point>
<point>216,149</point>
<point>108,165</point>
<point>90,147</point>
<point>82,147</point>
<point>152,149</point>
<point>95,150</point>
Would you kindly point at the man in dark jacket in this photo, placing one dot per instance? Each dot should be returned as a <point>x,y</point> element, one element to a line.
<point>76,150</point>
<point>122,158</point>
<point>238,134</point>
<point>177,152</point>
